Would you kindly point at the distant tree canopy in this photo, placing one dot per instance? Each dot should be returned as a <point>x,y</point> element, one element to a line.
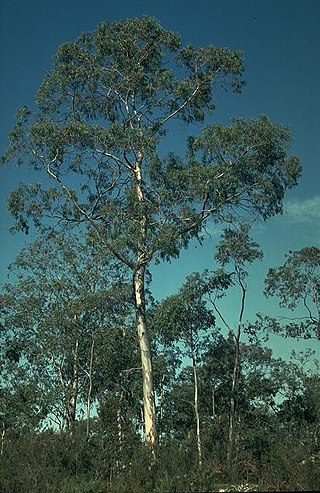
<point>296,284</point>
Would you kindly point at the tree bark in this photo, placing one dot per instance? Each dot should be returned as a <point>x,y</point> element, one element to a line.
<point>161,404</point>
<point>2,437</point>
<point>72,401</point>
<point>196,409</point>
<point>119,461</point>
<point>90,388</point>
<point>233,397</point>
<point>235,372</point>
<point>213,402</point>
<point>146,363</point>
<point>140,307</point>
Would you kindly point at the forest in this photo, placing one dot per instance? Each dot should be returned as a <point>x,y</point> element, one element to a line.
<point>103,387</point>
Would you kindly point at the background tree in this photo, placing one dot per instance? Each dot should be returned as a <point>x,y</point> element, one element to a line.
<point>102,112</point>
<point>235,249</point>
<point>183,320</point>
<point>167,363</point>
<point>116,391</point>
<point>297,285</point>
<point>262,383</point>
<point>63,295</point>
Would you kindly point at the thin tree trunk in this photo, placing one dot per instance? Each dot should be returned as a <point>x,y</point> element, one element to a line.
<point>316,300</point>
<point>90,388</point>
<point>232,399</point>
<point>235,372</point>
<point>196,409</point>
<point>120,433</point>
<point>2,437</point>
<point>72,402</point>
<point>213,403</point>
<point>161,403</point>
<point>161,396</point>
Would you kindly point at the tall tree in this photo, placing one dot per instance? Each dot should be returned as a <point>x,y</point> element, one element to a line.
<point>103,111</point>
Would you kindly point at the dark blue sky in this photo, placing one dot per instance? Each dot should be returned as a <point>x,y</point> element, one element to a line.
<point>281,42</point>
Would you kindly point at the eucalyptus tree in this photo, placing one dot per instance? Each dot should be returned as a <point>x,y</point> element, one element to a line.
<point>296,283</point>
<point>63,294</point>
<point>184,320</point>
<point>166,367</point>
<point>236,249</point>
<point>103,112</point>
<point>234,252</point>
<point>117,388</point>
<point>263,382</point>
<point>299,410</point>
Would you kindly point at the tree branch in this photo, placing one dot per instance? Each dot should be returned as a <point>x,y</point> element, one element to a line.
<point>87,216</point>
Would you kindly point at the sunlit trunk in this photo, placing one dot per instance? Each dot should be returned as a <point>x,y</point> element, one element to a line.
<point>120,433</point>
<point>196,409</point>
<point>233,400</point>
<point>161,403</point>
<point>2,438</point>
<point>145,352</point>
<point>90,388</point>
<point>72,401</point>
<point>236,338</point>
<point>149,407</point>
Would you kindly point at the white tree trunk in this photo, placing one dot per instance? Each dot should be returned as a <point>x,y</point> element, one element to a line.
<point>119,461</point>
<point>196,409</point>
<point>145,352</point>
<point>232,399</point>
<point>161,404</point>
<point>149,407</point>
<point>72,401</point>
<point>2,437</point>
<point>90,388</point>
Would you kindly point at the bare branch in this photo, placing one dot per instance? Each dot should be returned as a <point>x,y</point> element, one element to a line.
<point>183,105</point>
<point>59,371</point>
<point>115,158</point>
<point>132,369</point>
<point>224,321</point>
<point>87,216</point>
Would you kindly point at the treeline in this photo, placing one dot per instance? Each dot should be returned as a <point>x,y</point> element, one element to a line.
<point>228,412</point>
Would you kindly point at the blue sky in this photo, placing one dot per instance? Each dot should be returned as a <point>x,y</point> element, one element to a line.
<point>280,40</point>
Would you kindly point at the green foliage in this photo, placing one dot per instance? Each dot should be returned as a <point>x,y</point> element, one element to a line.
<point>236,247</point>
<point>103,109</point>
<point>298,277</point>
<point>246,165</point>
<point>65,294</point>
<point>278,445</point>
<point>182,316</point>
<point>270,457</point>
<point>297,285</point>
